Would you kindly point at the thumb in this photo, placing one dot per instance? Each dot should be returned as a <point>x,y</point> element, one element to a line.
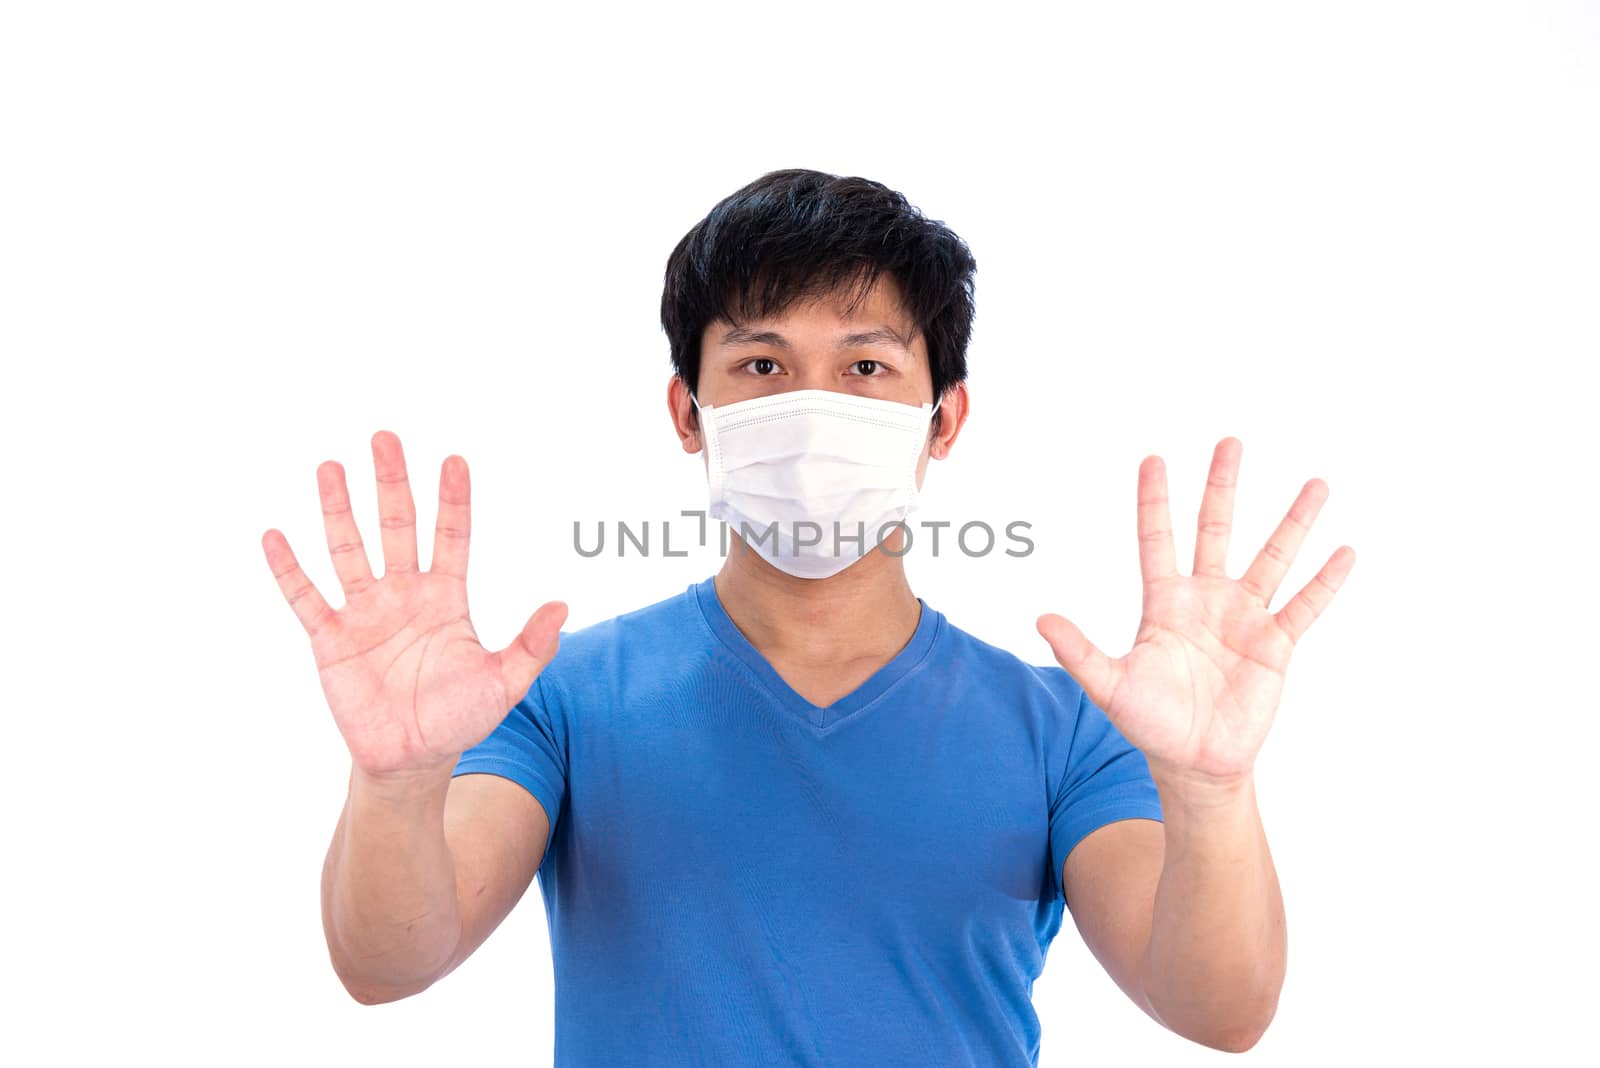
<point>1093,670</point>
<point>522,660</point>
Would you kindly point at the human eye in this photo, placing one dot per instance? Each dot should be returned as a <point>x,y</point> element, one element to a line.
<point>762,366</point>
<point>868,368</point>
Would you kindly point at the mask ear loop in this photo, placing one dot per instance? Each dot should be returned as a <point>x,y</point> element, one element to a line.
<point>699,413</point>
<point>712,447</point>
<point>915,491</point>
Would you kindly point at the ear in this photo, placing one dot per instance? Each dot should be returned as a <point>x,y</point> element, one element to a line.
<point>952,416</point>
<point>685,420</point>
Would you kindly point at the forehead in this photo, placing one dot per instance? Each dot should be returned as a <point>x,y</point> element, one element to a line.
<point>877,313</point>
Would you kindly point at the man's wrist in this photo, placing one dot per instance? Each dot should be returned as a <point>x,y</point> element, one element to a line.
<point>409,789</point>
<point>1194,791</point>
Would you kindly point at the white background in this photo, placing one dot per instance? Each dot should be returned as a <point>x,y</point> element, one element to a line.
<point>236,240</point>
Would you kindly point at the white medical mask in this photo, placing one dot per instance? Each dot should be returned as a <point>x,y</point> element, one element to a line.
<point>811,478</point>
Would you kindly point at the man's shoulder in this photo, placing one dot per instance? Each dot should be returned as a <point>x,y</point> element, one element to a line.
<point>1004,671</point>
<point>663,629</point>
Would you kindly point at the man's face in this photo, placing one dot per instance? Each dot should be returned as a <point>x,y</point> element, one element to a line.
<point>815,345</point>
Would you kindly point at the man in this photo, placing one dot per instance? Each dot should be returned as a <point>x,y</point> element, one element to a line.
<point>794,815</point>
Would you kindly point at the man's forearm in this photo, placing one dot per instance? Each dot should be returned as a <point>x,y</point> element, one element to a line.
<point>1218,941</point>
<point>389,905</point>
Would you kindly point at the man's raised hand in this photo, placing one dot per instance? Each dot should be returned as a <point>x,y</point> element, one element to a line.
<point>408,683</point>
<point>1198,690</point>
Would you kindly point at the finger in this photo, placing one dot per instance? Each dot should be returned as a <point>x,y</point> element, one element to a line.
<point>1156,558</point>
<point>1093,670</point>
<point>452,528</point>
<point>522,660</point>
<point>397,515</point>
<point>1216,510</point>
<point>344,540</point>
<point>1303,609</point>
<point>309,607</point>
<point>1272,562</point>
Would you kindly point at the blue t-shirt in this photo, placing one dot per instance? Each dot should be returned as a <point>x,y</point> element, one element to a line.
<point>738,877</point>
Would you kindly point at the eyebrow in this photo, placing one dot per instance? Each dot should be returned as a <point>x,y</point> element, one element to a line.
<point>878,336</point>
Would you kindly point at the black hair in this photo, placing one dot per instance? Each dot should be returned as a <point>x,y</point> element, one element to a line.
<point>797,234</point>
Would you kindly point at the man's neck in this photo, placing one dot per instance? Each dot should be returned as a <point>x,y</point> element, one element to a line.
<point>865,612</point>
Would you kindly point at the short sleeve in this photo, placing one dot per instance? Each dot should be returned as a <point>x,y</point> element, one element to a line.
<point>1106,779</point>
<point>526,748</point>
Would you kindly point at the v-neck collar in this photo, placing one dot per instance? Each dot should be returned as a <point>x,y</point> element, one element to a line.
<point>930,624</point>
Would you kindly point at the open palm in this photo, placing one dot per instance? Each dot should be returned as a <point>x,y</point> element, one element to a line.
<point>407,680</point>
<point>1198,691</point>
